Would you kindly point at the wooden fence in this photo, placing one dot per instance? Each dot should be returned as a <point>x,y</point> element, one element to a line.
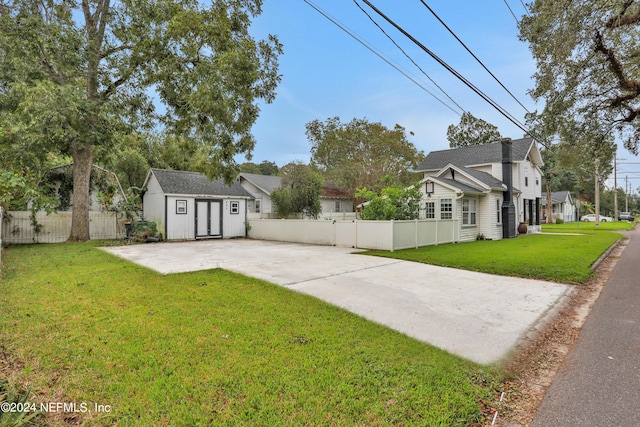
<point>383,235</point>
<point>56,228</point>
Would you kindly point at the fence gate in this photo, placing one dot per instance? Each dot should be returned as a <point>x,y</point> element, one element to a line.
<point>208,218</point>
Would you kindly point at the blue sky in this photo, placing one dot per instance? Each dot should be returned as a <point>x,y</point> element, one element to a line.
<point>326,73</point>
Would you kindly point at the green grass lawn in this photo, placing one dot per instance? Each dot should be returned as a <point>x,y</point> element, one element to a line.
<point>587,227</point>
<point>214,348</point>
<point>558,258</point>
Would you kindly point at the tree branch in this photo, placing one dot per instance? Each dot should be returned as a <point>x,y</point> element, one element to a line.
<point>631,87</point>
<point>620,19</point>
<point>113,50</point>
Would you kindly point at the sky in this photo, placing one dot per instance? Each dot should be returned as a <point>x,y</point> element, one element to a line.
<point>327,73</point>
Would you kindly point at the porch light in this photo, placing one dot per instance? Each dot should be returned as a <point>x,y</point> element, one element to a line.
<point>430,188</point>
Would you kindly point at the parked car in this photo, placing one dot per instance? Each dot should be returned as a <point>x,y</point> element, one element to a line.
<point>592,218</point>
<point>625,216</point>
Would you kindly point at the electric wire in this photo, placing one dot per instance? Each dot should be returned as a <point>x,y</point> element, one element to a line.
<point>484,96</point>
<point>472,54</point>
<point>511,10</point>
<point>407,55</point>
<point>381,56</point>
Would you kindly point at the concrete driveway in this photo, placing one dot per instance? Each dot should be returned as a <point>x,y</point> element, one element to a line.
<point>478,316</point>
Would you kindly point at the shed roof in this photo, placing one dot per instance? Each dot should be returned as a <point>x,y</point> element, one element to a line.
<point>196,184</point>
<point>475,155</point>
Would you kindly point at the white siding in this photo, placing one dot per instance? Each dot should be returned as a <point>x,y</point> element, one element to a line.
<point>258,194</point>
<point>328,205</point>
<point>233,225</point>
<point>180,226</point>
<point>153,205</point>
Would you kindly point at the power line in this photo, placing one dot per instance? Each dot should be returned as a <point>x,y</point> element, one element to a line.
<point>407,55</point>
<point>381,56</point>
<point>472,54</point>
<point>453,71</point>
<point>510,10</point>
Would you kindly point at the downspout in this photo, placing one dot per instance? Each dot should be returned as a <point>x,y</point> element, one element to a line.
<point>457,220</point>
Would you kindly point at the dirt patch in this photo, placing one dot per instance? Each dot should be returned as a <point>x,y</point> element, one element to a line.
<point>533,367</point>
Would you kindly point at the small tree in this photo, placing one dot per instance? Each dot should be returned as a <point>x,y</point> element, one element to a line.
<point>299,193</point>
<point>394,202</point>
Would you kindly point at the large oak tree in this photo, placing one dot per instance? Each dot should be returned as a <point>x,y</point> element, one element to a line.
<point>587,68</point>
<point>360,153</point>
<point>74,74</point>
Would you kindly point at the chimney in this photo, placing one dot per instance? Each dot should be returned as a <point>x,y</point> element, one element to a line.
<point>508,208</point>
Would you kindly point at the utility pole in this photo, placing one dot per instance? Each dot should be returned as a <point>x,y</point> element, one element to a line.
<point>597,181</point>
<point>626,193</point>
<point>615,187</point>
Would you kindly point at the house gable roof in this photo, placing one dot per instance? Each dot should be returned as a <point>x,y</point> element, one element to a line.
<point>266,183</point>
<point>480,155</point>
<point>484,179</point>
<point>558,197</point>
<point>195,184</point>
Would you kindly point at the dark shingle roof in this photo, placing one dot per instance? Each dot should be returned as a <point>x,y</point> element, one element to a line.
<point>266,183</point>
<point>196,184</point>
<point>475,155</point>
<point>459,185</point>
<point>484,177</point>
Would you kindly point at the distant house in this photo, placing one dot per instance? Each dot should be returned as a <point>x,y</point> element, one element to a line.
<point>333,199</point>
<point>563,205</point>
<point>187,205</point>
<point>487,189</point>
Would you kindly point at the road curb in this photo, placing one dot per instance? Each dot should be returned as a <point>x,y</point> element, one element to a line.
<point>606,253</point>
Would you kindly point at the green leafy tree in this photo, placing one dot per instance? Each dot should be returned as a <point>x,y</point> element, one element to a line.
<point>393,202</point>
<point>264,168</point>
<point>471,131</point>
<point>359,153</point>
<point>73,75</point>
<point>587,66</point>
<point>299,193</point>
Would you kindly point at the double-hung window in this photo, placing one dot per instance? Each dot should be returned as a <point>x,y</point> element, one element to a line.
<point>430,210</point>
<point>468,211</point>
<point>446,209</point>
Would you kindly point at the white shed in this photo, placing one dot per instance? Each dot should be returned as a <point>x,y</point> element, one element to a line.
<point>187,205</point>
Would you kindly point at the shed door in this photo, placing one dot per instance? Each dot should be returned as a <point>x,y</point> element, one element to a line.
<point>208,218</point>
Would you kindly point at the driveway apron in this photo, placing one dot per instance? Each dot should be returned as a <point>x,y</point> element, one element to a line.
<point>477,316</point>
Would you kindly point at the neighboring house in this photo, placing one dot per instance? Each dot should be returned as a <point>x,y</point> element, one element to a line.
<point>563,206</point>
<point>489,189</point>
<point>333,199</point>
<point>97,200</point>
<point>187,205</point>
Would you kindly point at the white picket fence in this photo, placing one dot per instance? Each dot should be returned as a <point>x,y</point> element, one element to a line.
<point>382,235</point>
<point>56,228</point>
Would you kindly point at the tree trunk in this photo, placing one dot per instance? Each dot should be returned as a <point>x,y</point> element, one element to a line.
<point>82,164</point>
<point>549,205</point>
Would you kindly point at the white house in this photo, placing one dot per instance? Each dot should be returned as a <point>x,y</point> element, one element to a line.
<point>333,199</point>
<point>489,188</point>
<point>187,205</point>
<point>563,206</point>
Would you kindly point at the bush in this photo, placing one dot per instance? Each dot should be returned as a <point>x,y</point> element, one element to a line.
<point>17,400</point>
<point>559,221</point>
<point>143,229</point>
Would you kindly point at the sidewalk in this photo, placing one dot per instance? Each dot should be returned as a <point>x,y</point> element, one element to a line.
<point>599,382</point>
